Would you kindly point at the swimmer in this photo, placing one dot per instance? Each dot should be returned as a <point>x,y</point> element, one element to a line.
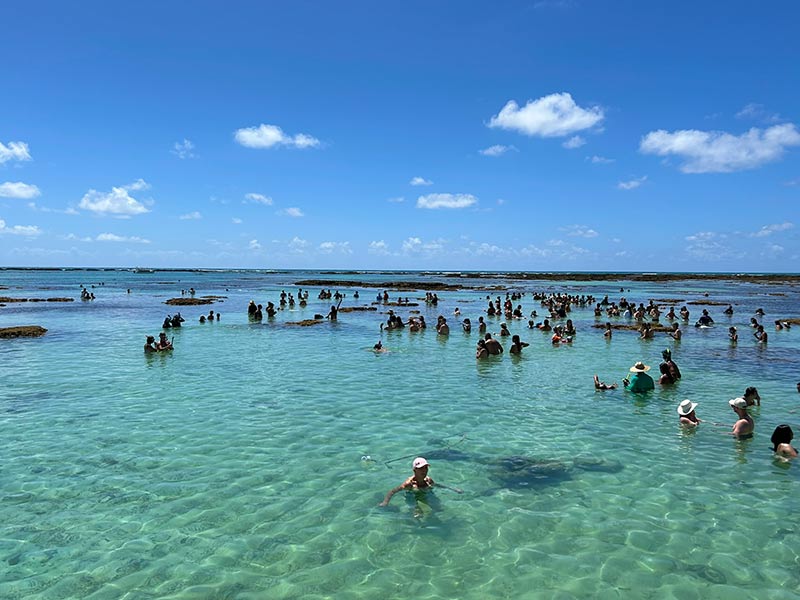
<point>517,345</point>
<point>602,385</point>
<point>687,414</point>
<point>761,335</point>
<point>781,441</point>
<point>744,425</point>
<point>504,330</point>
<point>467,325</point>
<point>728,311</point>
<point>418,481</point>
<point>752,397</point>
<point>608,332</point>
<point>148,346</point>
<point>481,351</point>
<point>163,342</point>
<point>676,332</point>
<point>378,348</point>
<point>733,335</point>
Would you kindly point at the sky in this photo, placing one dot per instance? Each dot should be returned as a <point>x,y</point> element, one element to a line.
<point>548,135</point>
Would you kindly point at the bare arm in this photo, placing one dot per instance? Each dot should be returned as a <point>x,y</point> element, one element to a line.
<point>392,492</point>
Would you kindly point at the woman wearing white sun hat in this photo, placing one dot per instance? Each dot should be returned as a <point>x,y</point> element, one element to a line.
<point>686,413</point>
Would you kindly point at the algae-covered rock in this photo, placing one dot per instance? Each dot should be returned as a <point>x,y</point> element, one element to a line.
<point>22,331</point>
<point>188,301</point>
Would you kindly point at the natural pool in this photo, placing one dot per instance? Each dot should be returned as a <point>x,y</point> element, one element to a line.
<point>232,467</point>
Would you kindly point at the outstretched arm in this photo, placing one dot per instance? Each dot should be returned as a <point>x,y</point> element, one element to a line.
<point>392,492</point>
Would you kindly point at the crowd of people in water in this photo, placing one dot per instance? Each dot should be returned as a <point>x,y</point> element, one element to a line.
<point>557,306</point>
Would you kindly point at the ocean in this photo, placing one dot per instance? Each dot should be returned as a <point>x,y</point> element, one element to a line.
<point>250,461</point>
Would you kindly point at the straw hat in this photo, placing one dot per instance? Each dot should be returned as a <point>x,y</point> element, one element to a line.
<point>686,407</point>
<point>639,367</point>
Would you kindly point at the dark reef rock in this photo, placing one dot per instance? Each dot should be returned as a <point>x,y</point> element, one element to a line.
<point>188,301</point>
<point>22,331</point>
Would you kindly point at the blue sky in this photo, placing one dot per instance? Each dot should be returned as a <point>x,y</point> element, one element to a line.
<point>544,135</point>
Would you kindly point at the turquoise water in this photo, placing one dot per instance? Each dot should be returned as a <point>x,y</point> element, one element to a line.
<point>232,467</point>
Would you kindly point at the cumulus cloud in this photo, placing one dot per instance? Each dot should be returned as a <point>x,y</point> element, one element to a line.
<point>254,245</point>
<point>434,201</point>
<point>258,199</point>
<point>632,184</point>
<point>575,141</point>
<point>599,160</point>
<point>420,181</point>
<point>292,211</point>
<point>112,237</point>
<point>17,189</point>
<point>721,152</point>
<point>298,245</point>
<point>555,115</point>
<point>496,150</point>
<point>580,231</point>
<point>14,151</point>
<point>118,202</point>
<point>191,216</point>
<point>26,230</point>
<point>770,229</point>
<point>45,209</point>
<point>378,247</point>
<point>268,136</point>
<point>236,221</point>
<point>415,245</point>
<point>331,247</point>
<point>183,149</point>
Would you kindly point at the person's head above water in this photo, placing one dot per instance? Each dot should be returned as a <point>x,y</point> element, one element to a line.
<point>419,463</point>
<point>783,434</point>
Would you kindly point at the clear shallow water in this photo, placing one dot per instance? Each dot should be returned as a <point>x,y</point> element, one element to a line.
<point>233,467</point>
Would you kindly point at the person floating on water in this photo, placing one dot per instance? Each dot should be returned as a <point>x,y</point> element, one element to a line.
<point>640,381</point>
<point>602,385</point>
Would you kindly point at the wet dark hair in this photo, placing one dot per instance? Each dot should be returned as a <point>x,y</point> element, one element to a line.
<point>749,391</point>
<point>783,434</point>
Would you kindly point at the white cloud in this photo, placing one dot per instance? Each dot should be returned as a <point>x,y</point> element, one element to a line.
<point>632,184</point>
<point>770,229</point>
<point>496,150</point>
<point>17,189</point>
<point>298,245</point>
<point>267,136</point>
<point>580,231</point>
<point>378,247</point>
<point>420,181</point>
<point>758,112</point>
<point>26,230</point>
<point>721,152</point>
<point>599,160</point>
<point>331,247</point>
<point>112,237</point>
<point>555,115</point>
<point>254,245</point>
<point>191,216</point>
<point>14,151</point>
<point>236,221</point>
<point>415,245</point>
<point>291,212</point>
<point>183,149</point>
<point>575,141</point>
<point>118,202</point>
<point>258,199</point>
<point>446,201</point>
<point>45,209</point>
<point>396,200</point>
<point>73,237</point>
